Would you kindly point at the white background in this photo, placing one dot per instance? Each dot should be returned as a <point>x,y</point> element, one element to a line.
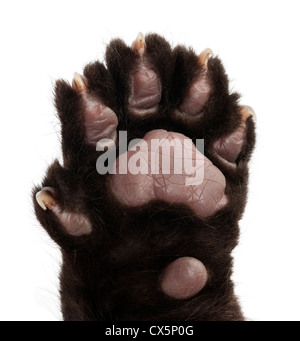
<point>258,42</point>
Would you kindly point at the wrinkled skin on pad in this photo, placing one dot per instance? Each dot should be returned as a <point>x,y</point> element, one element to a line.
<point>145,91</point>
<point>97,114</point>
<point>200,187</point>
<point>229,146</point>
<point>197,96</point>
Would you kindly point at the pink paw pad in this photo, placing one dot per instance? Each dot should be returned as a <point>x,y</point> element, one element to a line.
<point>145,92</point>
<point>197,96</point>
<point>200,90</point>
<point>99,120</point>
<point>200,187</point>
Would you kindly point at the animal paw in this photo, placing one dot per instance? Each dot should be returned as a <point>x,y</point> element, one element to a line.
<point>154,181</point>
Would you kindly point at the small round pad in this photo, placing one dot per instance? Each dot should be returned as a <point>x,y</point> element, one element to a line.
<point>184,278</point>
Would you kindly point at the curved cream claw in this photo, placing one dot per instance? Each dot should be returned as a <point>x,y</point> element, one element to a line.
<point>75,224</point>
<point>45,198</point>
<point>139,44</point>
<point>246,111</point>
<point>78,83</point>
<point>204,56</point>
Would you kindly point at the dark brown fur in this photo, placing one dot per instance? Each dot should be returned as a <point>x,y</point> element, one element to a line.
<point>114,273</point>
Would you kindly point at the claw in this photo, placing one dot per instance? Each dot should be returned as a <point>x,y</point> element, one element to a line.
<point>246,111</point>
<point>78,82</point>
<point>45,198</point>
<point>204,56</point>
<point>139,44</point>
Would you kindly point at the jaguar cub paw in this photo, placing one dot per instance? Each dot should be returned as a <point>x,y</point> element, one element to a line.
<point>153,184</point>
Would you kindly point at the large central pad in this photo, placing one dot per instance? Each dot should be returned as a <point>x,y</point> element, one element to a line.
<point>167,166</point>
